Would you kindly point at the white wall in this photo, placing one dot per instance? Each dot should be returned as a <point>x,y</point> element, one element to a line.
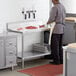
<point>7,12</point>
<point>41,6</point>
<point>10,10</point>
<point>70,5</point>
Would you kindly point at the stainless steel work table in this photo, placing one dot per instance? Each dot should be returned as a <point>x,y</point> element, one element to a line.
<point>30,37</point>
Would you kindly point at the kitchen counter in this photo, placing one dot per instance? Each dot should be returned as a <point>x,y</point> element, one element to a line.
<point>30,34</point>
<point>30,30</point>
<point>72,45</point>
<point>69,30</point>
<point>72,19</point>
<point>69,64</point>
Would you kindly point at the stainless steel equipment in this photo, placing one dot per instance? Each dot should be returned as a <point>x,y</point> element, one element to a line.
<point>8,50</point>
<point>28,39</point>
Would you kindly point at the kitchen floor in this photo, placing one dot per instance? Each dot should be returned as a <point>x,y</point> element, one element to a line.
<point>8,72</point>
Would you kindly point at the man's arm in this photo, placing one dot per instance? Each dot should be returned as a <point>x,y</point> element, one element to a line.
<point>52,15</point>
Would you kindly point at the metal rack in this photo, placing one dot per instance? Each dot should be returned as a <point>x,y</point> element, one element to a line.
<point>37,34</point>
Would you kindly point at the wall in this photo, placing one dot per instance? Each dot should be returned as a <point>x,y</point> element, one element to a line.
<point>41,7</point>
<point>7,12</point>
<point>11,10</point>
<point>70,5</point>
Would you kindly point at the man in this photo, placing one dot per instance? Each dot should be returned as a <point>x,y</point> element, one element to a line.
<point>57,15</point>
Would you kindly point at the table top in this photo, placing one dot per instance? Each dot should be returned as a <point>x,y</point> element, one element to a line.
<point>30,30</point>
<point>70,19</point>
<point>72,45</point>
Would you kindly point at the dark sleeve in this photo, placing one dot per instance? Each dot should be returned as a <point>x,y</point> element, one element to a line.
<point>53,14</point>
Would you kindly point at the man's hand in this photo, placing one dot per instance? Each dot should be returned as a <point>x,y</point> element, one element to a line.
<point>48,22</point>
